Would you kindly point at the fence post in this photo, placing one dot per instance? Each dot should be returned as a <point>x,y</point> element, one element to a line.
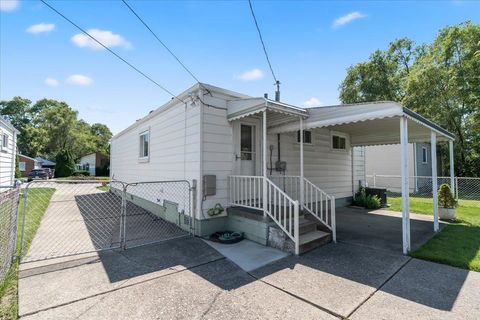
<point>456,188</point>
<point>374,180</point>
<point>25,204</point>
<point>193,198</point>
<point>15,227</point>
<point>123,219</point>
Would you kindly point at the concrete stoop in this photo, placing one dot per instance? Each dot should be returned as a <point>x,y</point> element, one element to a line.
<point>311,236</point>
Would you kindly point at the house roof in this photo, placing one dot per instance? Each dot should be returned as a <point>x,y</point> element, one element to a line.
<point>44,161</point>
<point>5,123</point>
<point>240,108</point>
<point>27,157</point>
<point>370,123</point>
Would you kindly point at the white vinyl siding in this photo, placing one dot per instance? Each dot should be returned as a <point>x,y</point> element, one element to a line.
<point>7,156</point>
<point>173,150</point>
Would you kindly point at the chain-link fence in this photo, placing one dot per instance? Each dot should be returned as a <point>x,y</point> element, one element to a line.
<point>76,217</point>
<point>464,188</point>
<point>8,227</point>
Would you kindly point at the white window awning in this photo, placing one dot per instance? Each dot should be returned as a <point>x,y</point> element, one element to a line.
<point>370,123</point>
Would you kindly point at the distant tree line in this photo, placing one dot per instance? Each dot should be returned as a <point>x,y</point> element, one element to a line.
<point>440,80</point>
<point>51,128</point>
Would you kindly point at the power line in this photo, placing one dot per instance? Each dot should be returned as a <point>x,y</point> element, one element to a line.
<point>112,52</point>
<point>163,43</point>
<point>261,40</point>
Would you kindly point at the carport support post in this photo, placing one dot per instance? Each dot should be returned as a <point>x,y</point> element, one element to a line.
<point>433,149</point>
<point>264,154</point>
<point>452,171</point>
<point>302,184</point>
<point>405,184</point>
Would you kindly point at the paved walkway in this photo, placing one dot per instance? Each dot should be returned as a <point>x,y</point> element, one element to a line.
<point>187,279</point>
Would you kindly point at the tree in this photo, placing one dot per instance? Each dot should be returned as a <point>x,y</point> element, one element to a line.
<point>102,136</point>
<point>440,81</point>
<point>64,164</point>
<point>17,167</point>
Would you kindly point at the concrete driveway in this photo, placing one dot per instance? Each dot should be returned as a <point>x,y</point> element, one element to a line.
<point>187,279</point>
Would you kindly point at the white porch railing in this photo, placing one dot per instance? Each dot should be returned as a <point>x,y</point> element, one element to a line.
<point>316,201</point>
<point>247,191</point>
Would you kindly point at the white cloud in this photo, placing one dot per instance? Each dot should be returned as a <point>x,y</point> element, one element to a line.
<point>251,75</point>
<point>79,80</point>
<point>51,82</point>
<point>8,5</point>
<point>343,20</point>
<point>41,27</point>
<point>108,38</point>
<point>312,102</point>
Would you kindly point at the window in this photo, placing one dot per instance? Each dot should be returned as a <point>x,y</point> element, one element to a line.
<point>247,142</point>
<point>21,166</point>
<point>144,145</point>
<point>307,136</point>
<point>339,142</point>
<point>4,141</point>
<point>424,155</point>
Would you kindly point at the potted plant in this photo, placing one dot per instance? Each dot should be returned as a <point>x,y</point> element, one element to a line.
<point>446,203</point>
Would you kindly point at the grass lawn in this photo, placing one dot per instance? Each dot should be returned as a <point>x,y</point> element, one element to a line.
<point>101,178</point>
<point>35,211</point>
<point>103,188</point>
<point>458,244</point>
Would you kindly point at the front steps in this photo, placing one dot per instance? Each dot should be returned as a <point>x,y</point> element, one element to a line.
<point>312,233</point>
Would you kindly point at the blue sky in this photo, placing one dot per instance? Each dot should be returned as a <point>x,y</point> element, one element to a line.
<point>310,45</point>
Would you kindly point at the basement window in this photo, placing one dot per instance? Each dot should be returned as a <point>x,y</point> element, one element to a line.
<point>144,145</point>
<point>307,136</point>
<point>339,142</point>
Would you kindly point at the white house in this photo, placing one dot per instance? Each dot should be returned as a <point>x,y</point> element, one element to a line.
<point>252,153</point>
<point>8,151</point>
<point>91,162</point>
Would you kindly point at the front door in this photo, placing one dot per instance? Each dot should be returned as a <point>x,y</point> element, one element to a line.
<point>246,148</point>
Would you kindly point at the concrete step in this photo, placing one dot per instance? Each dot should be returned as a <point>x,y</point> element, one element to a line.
<point>313,240</point>
<point>306,226</point>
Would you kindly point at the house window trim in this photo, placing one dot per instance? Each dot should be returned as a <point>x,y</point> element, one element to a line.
<point>341,135</point>
<point>304,143</point>
<point>144,158</point>
<point>425,152</point>
<point>3,148</point>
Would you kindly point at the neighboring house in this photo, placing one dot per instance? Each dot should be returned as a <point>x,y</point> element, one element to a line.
<point>45,163</point>
<point>27,164</point>
<point>381,162</point>
<point>8,151</point>
<point>249,156</point>
<point>92,162</point>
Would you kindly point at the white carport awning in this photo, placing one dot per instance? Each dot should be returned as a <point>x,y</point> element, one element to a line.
<point>370,123</point>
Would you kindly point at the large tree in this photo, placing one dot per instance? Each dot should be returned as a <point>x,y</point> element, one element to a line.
<point>439,80</point>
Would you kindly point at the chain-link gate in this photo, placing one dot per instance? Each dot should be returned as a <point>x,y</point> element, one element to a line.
<point>8,227</point>
<point>75,217</point>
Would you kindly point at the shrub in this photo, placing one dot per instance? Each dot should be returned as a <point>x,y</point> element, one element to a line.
<point>78,173</point>
<point>362,199</point>
<point>372,202</point>
<point>17,168</point>
<point>65,164</point>
<point>445,197</point>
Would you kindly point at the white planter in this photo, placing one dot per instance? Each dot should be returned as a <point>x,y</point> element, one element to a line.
<point>446,214</point>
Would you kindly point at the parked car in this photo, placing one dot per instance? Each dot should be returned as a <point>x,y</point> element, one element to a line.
<point>51,172</point>
<point>38,174</point>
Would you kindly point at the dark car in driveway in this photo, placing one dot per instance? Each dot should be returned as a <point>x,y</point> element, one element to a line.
<point>38,174</point>
<point>50,172</point>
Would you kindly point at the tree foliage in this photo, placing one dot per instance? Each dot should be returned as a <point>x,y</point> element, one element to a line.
<point>440,80</point>
<point>64,164</point>
<point>50,126</point>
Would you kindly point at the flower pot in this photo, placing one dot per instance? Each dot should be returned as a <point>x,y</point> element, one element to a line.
<point>446,213</point>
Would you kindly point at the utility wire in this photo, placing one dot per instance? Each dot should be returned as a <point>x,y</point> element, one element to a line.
<point>111,51</point>
<point>163,43</point>
<point>261,40</point>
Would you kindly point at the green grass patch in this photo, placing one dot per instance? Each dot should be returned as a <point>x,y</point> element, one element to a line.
<point>81,178</point>
<point>103,188</point>
<point>458,244</point>
<point>40,198</point>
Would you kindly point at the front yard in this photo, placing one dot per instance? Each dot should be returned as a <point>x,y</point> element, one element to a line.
<point>458,244</point>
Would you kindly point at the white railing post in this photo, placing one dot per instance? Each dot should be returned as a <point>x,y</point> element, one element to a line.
<point>264,129</point>
<point>302,184</point>
<point>333,220</point>
<point>405,185</point>
<point>296,227</point>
